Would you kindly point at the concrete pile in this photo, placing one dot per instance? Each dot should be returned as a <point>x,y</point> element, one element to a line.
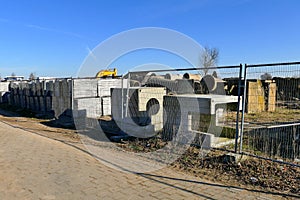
<point>48,97</point>
<point>85,97</point>
<point>92,97</point>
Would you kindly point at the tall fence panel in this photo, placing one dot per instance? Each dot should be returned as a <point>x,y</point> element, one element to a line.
<point>181,104</point>
<point>272,111</point>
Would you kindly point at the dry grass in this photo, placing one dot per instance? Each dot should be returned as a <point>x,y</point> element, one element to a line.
<point>280,115</point>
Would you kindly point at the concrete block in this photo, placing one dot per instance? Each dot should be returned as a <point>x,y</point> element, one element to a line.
<point>27,99</point>
<point>4,86</point>
<point>48,102</point>
<point>143,104</point>
<point>56,88</point>
<point>49,88</point>
<point>92,106</point>
<point>106,105</point>
<point>26,91</point>
<point>4,97</point>
<point>85,88</point>
<point>105,85</point>
<point>206,112</point>
<point>37,103</point>
<point>64,88</point>
<point>31,89</point>
<point>9,99</point>
<point>255,97</point>
<point>22,101</point>
<point>271,101</point>
<point>204,140</point>
<point>39,88</point>
<point>17,100</point>
<point>32,104</point>
<point>42,107</point>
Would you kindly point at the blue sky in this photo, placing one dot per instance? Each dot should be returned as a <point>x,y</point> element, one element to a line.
<point>53,37</point>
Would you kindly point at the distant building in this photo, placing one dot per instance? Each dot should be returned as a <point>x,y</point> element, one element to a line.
<point>45,78</point>
<point>14,78</point>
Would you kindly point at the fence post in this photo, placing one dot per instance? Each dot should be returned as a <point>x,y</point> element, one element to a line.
<point>122,99</point>
<point>127,95</point>
<point>238,110</point>
<point>243,108</point>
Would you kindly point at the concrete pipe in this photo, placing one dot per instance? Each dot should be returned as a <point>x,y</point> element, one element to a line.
<point>134,83</point>
<point>170,76</point>
<point>147,77</point>
<point>211,82</point>
<point>192,76</point>
<point>159,82</point>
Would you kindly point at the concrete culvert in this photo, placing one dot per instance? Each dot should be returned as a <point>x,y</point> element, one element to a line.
<point>210,82</point>
<point>170,76</point>
<point>152,106</point>
<point>147,77</point>
<point>192,76</point>
<point>134,83</point>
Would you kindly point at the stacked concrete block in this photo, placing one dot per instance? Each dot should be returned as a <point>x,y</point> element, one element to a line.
<point>48,103</point>
<point>49,96</point>
<point>142,104</point>
<point>94,96</point>
<point>194,112</point>
<point>104,92</point>
<point>49,88</point>
<point>55,96</point>
<point>104,85</point>
<point>85,88</point>
<point>60,102</point>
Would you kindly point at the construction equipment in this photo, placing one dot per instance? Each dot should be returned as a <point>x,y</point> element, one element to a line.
<point>106,73</point>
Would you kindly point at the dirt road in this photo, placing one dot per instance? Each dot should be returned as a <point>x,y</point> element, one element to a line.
<point>38,162</point>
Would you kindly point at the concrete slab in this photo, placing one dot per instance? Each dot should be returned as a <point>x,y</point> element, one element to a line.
<point>85,88</point>
<point>92,106</point>
<point>4,86</point>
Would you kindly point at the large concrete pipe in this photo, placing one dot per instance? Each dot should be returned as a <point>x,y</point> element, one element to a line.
<point>192,76</point>
<point>160,82</point>
<point>170,76</point>
<point>134,83</point>
<point>147,77</point>
<point>210,82</point>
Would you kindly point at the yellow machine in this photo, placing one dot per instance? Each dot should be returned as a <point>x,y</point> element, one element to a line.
<point>106,73</point>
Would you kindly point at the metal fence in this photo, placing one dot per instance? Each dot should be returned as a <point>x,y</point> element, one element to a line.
<point>249,109</point>
<point>259,114</point>
<point>166,103</point>
<point>271,112</point>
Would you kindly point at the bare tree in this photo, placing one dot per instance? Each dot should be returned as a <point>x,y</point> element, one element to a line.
<point>209,58</point>
<point>214,74</point>
<point>31,76</point>
<point>266,76</point>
